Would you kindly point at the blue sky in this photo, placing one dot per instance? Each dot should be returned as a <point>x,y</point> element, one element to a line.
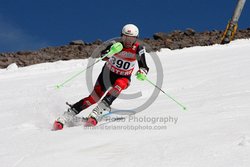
<point>34,24</point>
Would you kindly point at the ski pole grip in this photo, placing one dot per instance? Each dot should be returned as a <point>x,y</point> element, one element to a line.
<point>115,48</point>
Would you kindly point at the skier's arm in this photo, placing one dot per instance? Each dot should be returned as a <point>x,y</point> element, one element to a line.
<point>141,59</point>
<point>141,74</point>
<point>106,50</point>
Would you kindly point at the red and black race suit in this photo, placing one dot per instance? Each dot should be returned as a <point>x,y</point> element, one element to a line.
<point>123,63</point>
<point>115,74</point>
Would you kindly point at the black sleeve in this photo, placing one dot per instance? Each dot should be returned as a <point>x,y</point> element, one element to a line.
<point>141,58</point>
<point>106,49</point>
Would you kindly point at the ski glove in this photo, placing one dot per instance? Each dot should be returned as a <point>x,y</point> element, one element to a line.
<point>141,74</point>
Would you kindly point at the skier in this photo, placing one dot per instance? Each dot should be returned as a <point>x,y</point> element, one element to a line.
<point>114,77</point>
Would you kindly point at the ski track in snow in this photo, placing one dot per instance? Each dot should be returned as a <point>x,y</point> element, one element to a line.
<point>212,82</point>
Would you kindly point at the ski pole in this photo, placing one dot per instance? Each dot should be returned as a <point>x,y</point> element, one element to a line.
<point>183,107</point>
<point>115,48</point>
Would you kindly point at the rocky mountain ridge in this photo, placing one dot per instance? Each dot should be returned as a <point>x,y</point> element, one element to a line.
<point>79,49</point>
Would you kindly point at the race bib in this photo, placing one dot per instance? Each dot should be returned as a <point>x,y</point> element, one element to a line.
<point>121,66</point>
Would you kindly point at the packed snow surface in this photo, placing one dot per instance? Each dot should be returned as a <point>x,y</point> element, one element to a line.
<point>213,82</point>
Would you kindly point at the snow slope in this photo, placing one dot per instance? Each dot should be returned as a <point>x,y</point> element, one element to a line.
<point>212,82</point>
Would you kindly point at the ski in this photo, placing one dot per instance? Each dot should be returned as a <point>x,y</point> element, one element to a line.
<point>110,117</point>
<point>113,116</point>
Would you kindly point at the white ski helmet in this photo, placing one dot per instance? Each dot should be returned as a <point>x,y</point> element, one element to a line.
<point>130,30</point>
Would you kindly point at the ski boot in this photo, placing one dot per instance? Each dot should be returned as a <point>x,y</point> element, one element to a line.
<point>66,118</point>
<point>93,118</point>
